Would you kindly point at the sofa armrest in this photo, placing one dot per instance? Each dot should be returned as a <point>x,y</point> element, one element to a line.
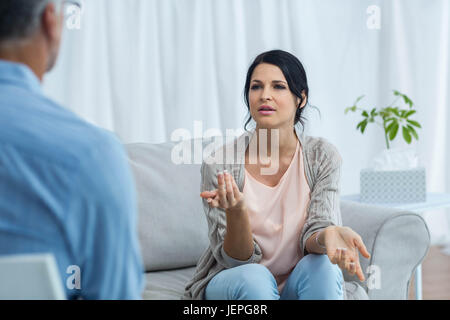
<point>397,241</point>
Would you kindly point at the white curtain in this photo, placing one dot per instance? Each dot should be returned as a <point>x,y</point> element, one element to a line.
<point>144,68</point>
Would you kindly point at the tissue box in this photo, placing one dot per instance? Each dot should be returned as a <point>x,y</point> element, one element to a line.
<point>396,186</point>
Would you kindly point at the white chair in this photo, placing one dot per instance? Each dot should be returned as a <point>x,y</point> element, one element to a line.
<point>30,277</point>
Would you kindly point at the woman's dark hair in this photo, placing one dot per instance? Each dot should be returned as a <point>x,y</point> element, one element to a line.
<point>293,71</point>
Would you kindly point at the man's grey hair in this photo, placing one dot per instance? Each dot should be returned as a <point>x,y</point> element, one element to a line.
<point>19,19</point>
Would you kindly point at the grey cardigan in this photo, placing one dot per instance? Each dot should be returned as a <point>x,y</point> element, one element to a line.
<point>322,164</point>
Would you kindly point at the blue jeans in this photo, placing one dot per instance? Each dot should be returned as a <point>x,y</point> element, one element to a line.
<point>313,278</point>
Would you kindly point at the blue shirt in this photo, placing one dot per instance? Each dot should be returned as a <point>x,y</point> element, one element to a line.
<point>66,188</point>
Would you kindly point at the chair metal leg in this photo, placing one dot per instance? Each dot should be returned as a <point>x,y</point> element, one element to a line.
<point>419,282</point>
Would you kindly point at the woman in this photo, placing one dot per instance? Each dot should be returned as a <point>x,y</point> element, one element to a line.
<point>275,235</point>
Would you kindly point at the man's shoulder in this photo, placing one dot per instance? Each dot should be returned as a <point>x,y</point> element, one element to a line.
<point>44,130</point>
<point>78,138</point>
<point>89,149</point>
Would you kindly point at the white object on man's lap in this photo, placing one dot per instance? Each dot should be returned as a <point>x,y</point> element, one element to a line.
<point>30,277</point>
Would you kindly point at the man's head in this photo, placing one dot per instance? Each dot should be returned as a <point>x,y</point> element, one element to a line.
<point>30,32</point>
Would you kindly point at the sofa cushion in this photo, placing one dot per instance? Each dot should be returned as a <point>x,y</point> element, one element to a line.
<point>172,226</point>
<point>167,285</point>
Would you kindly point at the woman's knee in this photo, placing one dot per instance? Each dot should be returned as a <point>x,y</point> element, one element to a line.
<point>317,262</point>
<point>321,266</point>
<point>321,278</point>
<point>254,275</point>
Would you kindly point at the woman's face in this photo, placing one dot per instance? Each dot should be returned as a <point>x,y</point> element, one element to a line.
<point>272,104</point>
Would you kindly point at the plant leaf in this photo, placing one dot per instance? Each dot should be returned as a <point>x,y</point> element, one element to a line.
<point>407,100</point>
<point>414,123</point>
<point>396,112</point>
<point>365,114</point>
<point>384,114</point>
<point>390,119</point>
<point>359,99</point>
<point>390,126</point>
<point>389,111</point>
<point>406,135</point>
<point>413,132</point>
<point>386,121</point>
<point>363,126</point>
<point>410,113</point>
<point>393,131</point>
<point>352,108</point>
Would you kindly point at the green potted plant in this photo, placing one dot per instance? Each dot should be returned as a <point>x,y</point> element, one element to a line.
<point>395,176</point>
<point>392,118</point>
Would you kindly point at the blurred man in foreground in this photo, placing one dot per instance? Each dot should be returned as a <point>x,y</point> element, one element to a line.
<point>65,185</point>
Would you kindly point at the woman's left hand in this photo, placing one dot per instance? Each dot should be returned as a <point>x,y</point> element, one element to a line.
<point>342,245</point>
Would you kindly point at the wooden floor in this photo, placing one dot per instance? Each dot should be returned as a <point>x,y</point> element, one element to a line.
<point>435,276</point>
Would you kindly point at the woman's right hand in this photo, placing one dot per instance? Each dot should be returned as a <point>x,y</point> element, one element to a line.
<point>227,196</point>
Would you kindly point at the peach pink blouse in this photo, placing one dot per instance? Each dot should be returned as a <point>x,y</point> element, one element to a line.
<point>277,215</point>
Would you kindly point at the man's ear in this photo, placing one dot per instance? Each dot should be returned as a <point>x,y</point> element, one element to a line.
<point>50,21</point>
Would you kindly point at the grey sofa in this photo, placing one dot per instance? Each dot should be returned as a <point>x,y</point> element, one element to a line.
<point>173,228</point>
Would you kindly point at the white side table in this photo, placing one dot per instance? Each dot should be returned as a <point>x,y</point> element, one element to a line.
<point>434,201</point>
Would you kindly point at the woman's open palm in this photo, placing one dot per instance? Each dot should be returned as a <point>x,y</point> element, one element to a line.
<point>342,245</point>
<point>227,196</point>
